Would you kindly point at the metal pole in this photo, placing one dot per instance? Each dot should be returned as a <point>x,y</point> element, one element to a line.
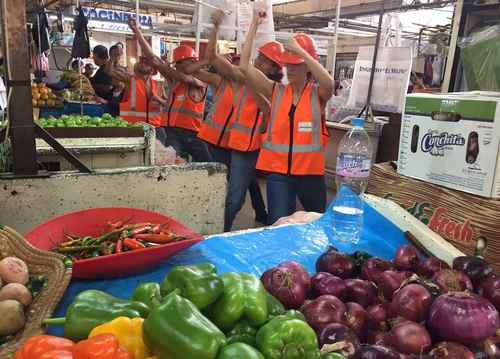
<point>19,86</point>
<point>336,35</point>
<point>374,62</point>
<point>199,28</point>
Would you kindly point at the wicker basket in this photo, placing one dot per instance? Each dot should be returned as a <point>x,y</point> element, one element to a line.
<point>39,262</point>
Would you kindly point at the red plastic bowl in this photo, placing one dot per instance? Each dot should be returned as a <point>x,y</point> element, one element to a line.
<point>92,222</point>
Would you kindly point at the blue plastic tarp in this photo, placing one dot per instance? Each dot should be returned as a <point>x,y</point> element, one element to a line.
<point>255,251</point>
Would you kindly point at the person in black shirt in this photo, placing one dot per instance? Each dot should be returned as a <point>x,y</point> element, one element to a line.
<point>102,81</point>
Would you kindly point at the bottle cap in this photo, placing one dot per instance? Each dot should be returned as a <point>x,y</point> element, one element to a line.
<point>360,122</point>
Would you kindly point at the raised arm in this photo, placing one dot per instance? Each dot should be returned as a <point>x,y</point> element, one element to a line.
<point>221,64</point>
<point>325,81</point>
<point>145,47</point>
<point>197,70</point>
<point>257,80</point>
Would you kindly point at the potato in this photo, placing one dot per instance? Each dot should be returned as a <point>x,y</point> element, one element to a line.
<point>16,291</point>
<point>13,270</point>
<point>12,314</point>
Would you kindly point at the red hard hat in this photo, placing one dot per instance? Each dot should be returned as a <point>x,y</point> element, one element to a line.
<point>184,52</point>
<point>273,50</point>
<point>307,43</point>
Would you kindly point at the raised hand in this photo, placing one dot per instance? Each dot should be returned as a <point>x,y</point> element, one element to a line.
<point>133,24</point>
<point>217,17</point>
<point>292,46</point>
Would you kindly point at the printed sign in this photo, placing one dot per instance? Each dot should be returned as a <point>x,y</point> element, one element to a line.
<point>115,16</point>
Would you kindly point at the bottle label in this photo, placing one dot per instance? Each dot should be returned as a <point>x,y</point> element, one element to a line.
<point>353,165</point>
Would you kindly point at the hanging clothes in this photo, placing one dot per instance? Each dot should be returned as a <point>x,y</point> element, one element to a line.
<point>41,24</point>
<point>81,45</point>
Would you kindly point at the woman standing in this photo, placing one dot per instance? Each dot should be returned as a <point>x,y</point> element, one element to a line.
<point>293,145</point>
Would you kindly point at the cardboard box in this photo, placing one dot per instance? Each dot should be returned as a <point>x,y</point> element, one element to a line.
<point>453,140</point>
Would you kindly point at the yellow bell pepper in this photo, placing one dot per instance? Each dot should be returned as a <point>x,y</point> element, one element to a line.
<point>129,334</point>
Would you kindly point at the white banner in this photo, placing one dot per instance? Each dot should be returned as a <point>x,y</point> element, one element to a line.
<point>390,83</point>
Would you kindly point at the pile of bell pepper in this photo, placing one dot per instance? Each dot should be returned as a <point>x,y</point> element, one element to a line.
<point>193,314</point>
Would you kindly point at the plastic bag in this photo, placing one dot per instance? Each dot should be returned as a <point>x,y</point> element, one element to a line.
<point>165,155</point>
<point>480,54</point>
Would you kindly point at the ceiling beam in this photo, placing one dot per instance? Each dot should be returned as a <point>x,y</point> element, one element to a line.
<point>350,8</point>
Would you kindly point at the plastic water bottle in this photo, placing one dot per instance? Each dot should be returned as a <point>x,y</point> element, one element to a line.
<point>354,159</point>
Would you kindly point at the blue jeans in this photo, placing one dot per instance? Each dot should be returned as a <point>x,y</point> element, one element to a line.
<point>186,143</point>
<point>283,190</point>
<point>242,177</point>
<point>219,154</point>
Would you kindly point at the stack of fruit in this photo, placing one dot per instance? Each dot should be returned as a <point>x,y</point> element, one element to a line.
<point>80,84</point>
<point>105,120</point>
<point>42,96</point>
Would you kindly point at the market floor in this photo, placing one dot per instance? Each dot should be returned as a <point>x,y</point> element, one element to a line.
<point>246,217</point>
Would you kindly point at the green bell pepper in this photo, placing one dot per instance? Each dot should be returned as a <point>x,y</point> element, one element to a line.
<point>244,296</point>
<point>239,351</point>
<point>147,293</point>
<point>177,329</point>
<point>242,332</point>
<point>292,314</point>
<point>274,306</point>
<point>199,283</point>
<point>92,308</point>
<point>284,338</point>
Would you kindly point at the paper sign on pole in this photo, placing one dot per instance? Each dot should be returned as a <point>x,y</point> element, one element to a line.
<point>390,83</point>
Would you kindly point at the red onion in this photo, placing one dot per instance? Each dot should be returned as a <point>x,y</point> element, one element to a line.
<point>373,267</point>
<point>375,337</point>
<point>463,317</point>
<point>490,289</point>
<point>390,281</point>
<point>450,350</point>
<point>286,285</point>
<point>406,257</point>
<point>360,291</point>
<point>324,310</point>
<point>431,265</point>
<point>355,317</point>
<point>489,348</point>
<point>342,336</point>
<point>325,283</point>
<point>477,269</point>
<point>376,352</point>
<point>376,315</point>
<point>336,263</point>
<point>301,273</point>
<point>409,338</point>
<point>411,302</point>
<point>450,280</point>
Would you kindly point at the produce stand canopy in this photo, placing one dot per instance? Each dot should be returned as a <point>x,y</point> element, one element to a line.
<point>255,251</point>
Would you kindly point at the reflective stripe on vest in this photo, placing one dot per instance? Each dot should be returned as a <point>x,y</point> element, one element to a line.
<point>129,107</point>
<point>236,124</point>
<point>186,112</point>
<point>315,146</point>
<point>210,121</point>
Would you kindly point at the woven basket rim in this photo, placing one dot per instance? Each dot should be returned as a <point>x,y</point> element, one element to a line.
<point>39,262</point>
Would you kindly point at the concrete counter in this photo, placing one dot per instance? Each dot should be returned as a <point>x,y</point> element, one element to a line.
<point>193,193</point>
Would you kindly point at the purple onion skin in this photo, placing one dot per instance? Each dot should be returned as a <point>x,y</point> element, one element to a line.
<point>375,337</point>
<point>465,318</point>
<point>336,263</point>
<point>406,258</point>
<point>431,265</point>
<point>373,267</point>
<point>411,302</point>
<point>361,291</point>
<point>325,283</point>
<point>389,281</point>
<point>324,310</point>
<point>450,280</point>
<point>355,318</point>
<point>477,269</point>
<point>376,315</point>
<point>336,332</point>
<point>286,286</point>
<point>450,350</point>
<point>490,289</point>
<point>409,338</point>
<point>301,272</point>
<point>376,352</point>
<point>487,349</point>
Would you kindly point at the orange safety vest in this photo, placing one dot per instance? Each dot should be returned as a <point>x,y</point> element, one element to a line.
<point>136,107</point>
<point>294,145</point>
<point>244,134</point>
<point>215,128</point>
<point>182,111</point>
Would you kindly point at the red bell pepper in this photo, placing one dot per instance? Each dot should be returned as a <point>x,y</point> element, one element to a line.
<point>45,347</point>
<point>102,346</point>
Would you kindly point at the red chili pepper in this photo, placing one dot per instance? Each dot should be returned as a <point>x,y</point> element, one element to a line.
<point>157,238</point>
<point>157,228</point>
<point>119,246</point>
<point>139,230</point>
<point>133,244</point>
